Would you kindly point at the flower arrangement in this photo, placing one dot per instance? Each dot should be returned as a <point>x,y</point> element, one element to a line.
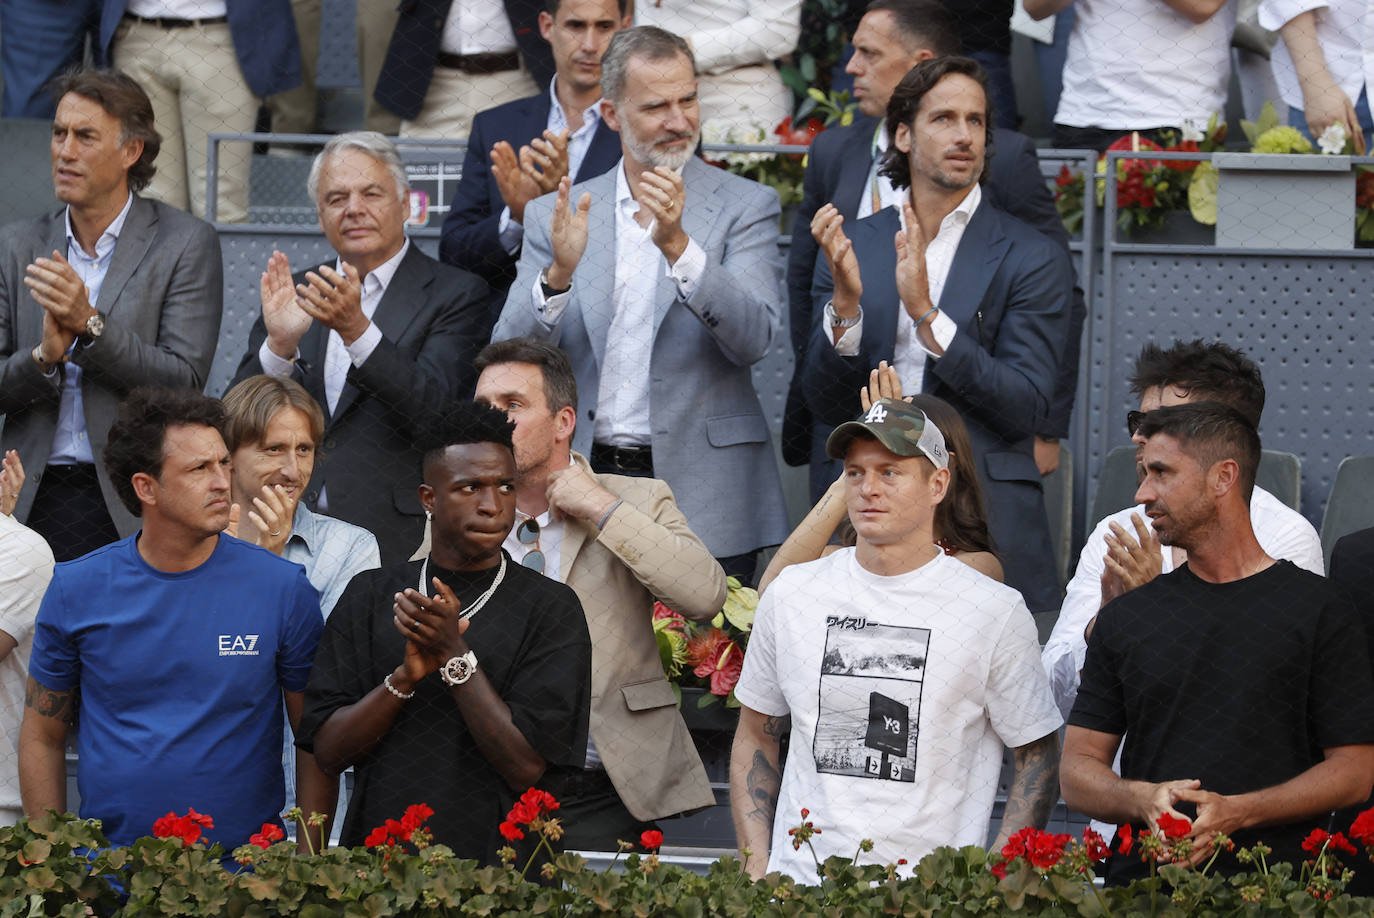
<point>781,171</point>
<point>708,656</point>
<point>1147,189</point>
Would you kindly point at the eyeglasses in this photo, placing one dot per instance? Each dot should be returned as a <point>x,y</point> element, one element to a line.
<point>528,534</point>
<point>1133,421</point>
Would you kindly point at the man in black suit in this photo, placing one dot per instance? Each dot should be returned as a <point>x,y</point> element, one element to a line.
<point>969,304</point>
<point>558,131</point>
<point>381,339</point>
<point>892,37</point>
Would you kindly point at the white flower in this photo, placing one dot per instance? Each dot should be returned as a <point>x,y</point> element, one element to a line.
<point>1193,129</point>
<point>1332,140</point>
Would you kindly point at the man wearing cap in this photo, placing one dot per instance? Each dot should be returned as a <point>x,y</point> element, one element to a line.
<point>903,674</point>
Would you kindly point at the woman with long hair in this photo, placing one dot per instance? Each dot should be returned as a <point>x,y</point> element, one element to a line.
<point>961,525</point>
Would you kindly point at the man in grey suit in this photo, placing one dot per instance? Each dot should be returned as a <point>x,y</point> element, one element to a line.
<point>663,294</point>
<point>382,339</point>
<point>112,292</point>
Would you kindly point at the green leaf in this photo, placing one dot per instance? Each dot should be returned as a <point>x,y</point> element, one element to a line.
<point>707,699</point>
<point>808,68</point>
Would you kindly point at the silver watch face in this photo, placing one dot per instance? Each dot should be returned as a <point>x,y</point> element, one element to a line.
<point>459,669</point>
<point>95,325</point>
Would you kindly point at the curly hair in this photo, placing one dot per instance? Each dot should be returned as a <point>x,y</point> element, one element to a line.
<point>467,422</point>
<point>1213,372</point>
<point>121,97</point>
<point>136,439</point>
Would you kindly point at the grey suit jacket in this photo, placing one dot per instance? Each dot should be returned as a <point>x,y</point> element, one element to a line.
<point>710,439</point>
<point>433,320</point>
<point>161,299</point>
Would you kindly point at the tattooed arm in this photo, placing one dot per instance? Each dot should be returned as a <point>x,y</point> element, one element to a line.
<point>755,780</point>
<point>48,714</point>
<point>1034,787</point>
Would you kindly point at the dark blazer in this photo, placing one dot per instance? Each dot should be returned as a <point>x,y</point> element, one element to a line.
<point>265,41</point>
<point>1008,290</point>
<point>433,323</point>
<point>836,171</point>
<point>414,49</point>
<point>470,236</point>
<point>162,300</point>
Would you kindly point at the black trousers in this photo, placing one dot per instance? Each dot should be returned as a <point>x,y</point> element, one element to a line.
<point>70,513</point>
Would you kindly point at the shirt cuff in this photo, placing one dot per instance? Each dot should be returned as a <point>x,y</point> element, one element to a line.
<point>273,365</point>
<point>366,343</point>
<point>550,310</point>
<point>848,345</point>
<point>944,329</point>
<point>688,270</point>
<point>509,233</point>
<point>1275,14</point>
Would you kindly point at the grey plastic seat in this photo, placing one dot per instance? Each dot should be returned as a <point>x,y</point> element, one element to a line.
<point>1350,506</point>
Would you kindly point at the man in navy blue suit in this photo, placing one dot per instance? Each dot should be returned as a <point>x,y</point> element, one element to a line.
<point>522,149</point>
<point>967,302</point>
<point>892,37</point>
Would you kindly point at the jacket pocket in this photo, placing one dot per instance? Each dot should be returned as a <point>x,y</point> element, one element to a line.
<point>1011,466</point>
<point>731,429</point>
<point>642,696</point>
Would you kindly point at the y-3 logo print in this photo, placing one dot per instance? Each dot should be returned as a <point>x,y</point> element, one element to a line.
<point>870,699</point>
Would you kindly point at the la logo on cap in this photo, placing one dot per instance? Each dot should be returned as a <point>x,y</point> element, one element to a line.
<point>877,414</point>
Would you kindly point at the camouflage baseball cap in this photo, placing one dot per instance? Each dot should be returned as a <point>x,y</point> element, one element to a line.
<point>900,426</point>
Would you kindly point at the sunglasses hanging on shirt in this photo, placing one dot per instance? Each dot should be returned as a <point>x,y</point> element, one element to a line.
<point>528,534</point>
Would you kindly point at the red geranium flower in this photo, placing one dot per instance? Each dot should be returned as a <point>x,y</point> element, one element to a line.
<point>270,833</point>
<point>377,838</point>
<point>1340,843</point>
<point>187,828</point>
<point>999,870</point>
<point>1095,847</point>
<point>1124,833</point>
<point>1016,846</point>
<point>1065,178</point>
<point>799,135</point>
<point>1313,842</point>
<point>716,657</point>
<point>651,839</point>
<point>1046,849</point>
<point>1173,827</point>
<point>1362,829</point>
<point>510,831</point>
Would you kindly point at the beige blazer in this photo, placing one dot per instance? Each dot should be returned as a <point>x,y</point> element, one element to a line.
<point>646,552</point>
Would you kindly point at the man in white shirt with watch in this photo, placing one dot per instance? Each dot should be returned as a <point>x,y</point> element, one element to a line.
<point>111,292</point>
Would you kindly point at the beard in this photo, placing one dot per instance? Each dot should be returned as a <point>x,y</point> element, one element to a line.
<point>650,154</point>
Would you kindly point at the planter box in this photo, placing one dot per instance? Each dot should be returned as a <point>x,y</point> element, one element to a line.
<point>714,717</point>
<point>1285,201</point>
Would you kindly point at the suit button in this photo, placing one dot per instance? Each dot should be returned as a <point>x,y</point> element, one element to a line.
<point>312,496</point>
<point>330,443</point>
<point>591,414</point>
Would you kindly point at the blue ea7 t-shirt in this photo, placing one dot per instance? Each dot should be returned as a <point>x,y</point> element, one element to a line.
<point>180,676</point>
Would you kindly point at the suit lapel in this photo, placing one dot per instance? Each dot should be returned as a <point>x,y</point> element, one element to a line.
<point>980,251</point>
<point>134,242</point>
<point>699,213</point>
<point>602,153</point>
<point>399,308</point>
<point>856,159</point>
<point>597,279</point>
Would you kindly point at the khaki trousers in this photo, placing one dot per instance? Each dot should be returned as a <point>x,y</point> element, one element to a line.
<point>455,97</point>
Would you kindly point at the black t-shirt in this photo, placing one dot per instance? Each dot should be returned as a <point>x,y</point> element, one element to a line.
<point>1240,685</point>
<point>531,641</point>
<point>984,25</point>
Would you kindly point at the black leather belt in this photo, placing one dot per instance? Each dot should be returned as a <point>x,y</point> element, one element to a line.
<point>167,22</point>
<point>623,458</point>
<point>586,783</point>
<point>478,64</point>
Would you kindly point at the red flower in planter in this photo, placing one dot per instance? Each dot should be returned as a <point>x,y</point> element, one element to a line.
<point>510,831</point>
<point>1045,849</point>
<point>187,828</point>
<point>651,839</point>
<point>1094,846</point>
<point>716,657</point>
<point>1173,827</point>
<point>800,135</point>
<point>270,833</point>
<point>1362,829</point>
<point>1124,833</point>
<point>1065,178</point>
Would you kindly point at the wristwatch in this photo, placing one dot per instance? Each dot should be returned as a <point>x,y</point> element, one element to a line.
<point>459,669</point>
<point>838,322</point>
<point>95,327</point>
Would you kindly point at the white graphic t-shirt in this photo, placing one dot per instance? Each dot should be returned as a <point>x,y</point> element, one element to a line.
<point>902,692</point>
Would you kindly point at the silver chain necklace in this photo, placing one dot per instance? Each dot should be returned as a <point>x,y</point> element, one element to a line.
<point>481,601</point>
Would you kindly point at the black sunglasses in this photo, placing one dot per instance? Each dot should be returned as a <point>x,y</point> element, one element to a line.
<point>528,534</point>
<point>1133,421</point>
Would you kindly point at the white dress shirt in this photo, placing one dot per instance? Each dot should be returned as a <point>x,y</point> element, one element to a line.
<point>550,541</point>
<point>477,27</point>
<point>1345,32</point>
<point>512,233</point>
<point>70,444</point>
<point>622,405</point>
<point>909,354</point>
<point>878,189</point>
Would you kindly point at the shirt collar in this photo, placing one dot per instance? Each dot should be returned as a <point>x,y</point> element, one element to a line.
<point>303,526</point>
<point>384,272</point>
<point>108,238</point>
<point>962,213</point>
<point>558,118</point>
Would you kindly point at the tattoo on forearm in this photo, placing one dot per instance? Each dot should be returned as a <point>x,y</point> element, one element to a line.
<point>763,785</point>
<point>49,703</point>
<point>1034,785</point>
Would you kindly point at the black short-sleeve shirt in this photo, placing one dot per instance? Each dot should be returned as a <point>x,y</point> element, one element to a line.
<point>531,641</point>
<point>1240,685</point>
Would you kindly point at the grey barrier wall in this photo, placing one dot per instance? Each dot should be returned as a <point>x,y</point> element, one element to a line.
<point>1300,315</point>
